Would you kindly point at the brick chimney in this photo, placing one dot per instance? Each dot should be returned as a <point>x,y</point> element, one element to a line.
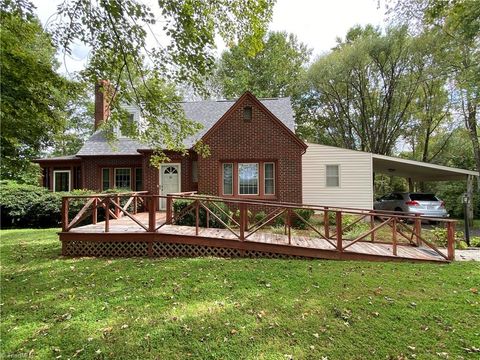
<point>102,102</point>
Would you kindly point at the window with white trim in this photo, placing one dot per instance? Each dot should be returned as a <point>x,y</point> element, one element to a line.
<point>248,178</point>
<point>269,178</point>
<point>227,175</point>
<point>61,180</point>
<point>332,173</point>
<point>123,178</point>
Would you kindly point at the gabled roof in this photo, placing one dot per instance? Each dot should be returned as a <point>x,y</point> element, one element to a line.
<point>206,112</point>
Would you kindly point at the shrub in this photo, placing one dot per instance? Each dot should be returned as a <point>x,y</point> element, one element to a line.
<point>25,205</point>
<point>355,230</point>
<point>31,206</point>
<point>475,241</point>
<point>189,218</point>
<point>462,245</point>
<point>297,223</point>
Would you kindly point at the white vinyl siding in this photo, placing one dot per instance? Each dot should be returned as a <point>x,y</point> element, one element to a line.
<point>355,177</point>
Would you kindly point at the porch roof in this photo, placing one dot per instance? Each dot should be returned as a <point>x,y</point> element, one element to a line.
<point>417,170</point>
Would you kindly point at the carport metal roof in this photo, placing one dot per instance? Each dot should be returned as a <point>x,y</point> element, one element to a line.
<point>417,170</point>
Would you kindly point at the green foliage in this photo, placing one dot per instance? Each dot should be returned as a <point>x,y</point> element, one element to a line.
<point>297,223</point>
<point>461,245</point>
<point>355,230</point>
<point>475,241</point>
<point>275,71</point>
<point>116,33</point>
<point>189,218</point>
<point>34,96</point>
<point>350,88</point>
<point>25,206</point>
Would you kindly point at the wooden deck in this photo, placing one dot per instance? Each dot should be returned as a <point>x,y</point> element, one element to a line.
<point>177,240</point>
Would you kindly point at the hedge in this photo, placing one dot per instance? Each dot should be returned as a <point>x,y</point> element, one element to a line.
<point>31,206</point>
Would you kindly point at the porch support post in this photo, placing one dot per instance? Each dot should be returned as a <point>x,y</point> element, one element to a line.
<point>242,221</point>
<point>326,223</point>
<point>107,214</point>
<point>151,214</point>
<point>65,213</point>
<point>169,210</point>
<point>338,220</point>
<point>95,211</point>
<point>451,240</point>
<point>394,235</point>
<point>418,228</point>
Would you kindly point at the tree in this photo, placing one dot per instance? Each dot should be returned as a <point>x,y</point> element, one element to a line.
<point>78,124</point>
<point>116,32</point>
<point>277,70</point>
<point>361,93</point>
<point>458,23</point>
<point>34,95</point>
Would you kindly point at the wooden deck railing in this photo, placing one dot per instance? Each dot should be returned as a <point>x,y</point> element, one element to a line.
<point>237,220</point>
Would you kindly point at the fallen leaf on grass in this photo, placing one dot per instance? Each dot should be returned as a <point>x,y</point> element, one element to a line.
<point>474,290</point>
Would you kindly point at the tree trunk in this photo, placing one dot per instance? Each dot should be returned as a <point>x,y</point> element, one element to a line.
<point>471,124</point>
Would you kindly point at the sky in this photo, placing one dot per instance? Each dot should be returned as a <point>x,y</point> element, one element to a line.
<point>316,23</point>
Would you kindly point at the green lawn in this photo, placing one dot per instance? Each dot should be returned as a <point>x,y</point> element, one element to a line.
<point>229,309</point>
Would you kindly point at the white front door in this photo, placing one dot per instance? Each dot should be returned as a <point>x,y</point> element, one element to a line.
<point>169,181</point>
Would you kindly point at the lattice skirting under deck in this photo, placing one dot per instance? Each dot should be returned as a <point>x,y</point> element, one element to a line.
<point>159,249</point>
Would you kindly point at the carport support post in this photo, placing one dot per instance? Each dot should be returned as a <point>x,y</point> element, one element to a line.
<point>466,218</point>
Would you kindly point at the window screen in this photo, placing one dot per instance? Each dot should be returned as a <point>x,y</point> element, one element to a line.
<point>122,179</point>
<point>333,176</point>
<point>269,174</point>
<point>61,180</point>
<point>195,171</point>
<point>138,179</point>
<point>248,178</point>
<point>105,179</point>
<point>228,179</point>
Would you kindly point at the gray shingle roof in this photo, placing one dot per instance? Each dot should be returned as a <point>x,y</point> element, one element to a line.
<point>205,112</point>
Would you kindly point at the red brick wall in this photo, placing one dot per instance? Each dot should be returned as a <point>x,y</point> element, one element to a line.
<point>261,139</point>
<point>92,168</point>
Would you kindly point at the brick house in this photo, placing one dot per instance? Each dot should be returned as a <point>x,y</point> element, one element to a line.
<point>254,154</point>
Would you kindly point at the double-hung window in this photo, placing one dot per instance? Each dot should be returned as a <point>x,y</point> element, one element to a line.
<point>123,178</point>
<point>248,178</point>
<point>227,171</point>
<point>269,178</point>
<point>105,179</point>
<point>332,175</point>
<point>61,180</point>
<point>138,179</point>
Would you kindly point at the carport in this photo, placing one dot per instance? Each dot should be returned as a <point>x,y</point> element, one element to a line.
<point>417,170</point>
<point>421,171</point>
